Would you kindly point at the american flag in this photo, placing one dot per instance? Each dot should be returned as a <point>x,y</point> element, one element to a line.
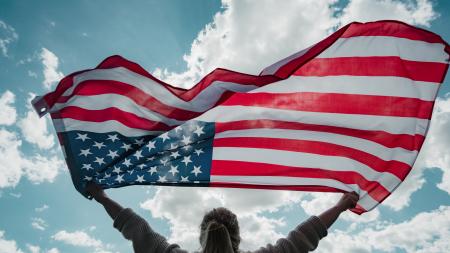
<point>349,113</point>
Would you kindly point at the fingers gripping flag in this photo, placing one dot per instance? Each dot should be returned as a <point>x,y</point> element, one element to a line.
<point>349,113</point>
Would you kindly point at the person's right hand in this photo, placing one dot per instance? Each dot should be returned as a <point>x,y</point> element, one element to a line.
<point>95,190</point>
<point>348,200</point>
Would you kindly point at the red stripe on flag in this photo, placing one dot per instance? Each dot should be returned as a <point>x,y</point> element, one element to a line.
<point>374,66</point>
<point>391,28</point>
<point>97,87</point>
<point>219,74</point>
<point>310,188</point>
<point>397,168</point>
<point>336,103</point>
<point>406,141</point>
<point>238,168</point>
<point>126,118</point>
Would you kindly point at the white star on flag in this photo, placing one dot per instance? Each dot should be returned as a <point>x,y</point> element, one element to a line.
<point>152,170</point>
<point>150,145</point>
<point>175,154</point>
<point>82,137</point>
<point>127,162</point>
<point>140,179</point>
<point>126,146</point>
<point>112,154</point>
<point>164,161</point>
<point>112,137</point>
<point>162,179</point>
<point>186,140</point>
<point>117,170</point>
<point>99,160</point>
<point>139,142</point>
<point>119,179</point>
<point>99,145</point>
<point>186,160</point>
<point>196,170</point>
<point>173,170</point>
<point>198,151</point>
<point>165,136</point>
<point>85,152</point>
<point>199,130</point>
<point>138,154</point>
<point>87,167</point>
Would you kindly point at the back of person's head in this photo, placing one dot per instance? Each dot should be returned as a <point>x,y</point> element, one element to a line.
<point>219,232</point>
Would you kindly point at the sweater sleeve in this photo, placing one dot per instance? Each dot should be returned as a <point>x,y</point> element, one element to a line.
<point>133,227</point>
<point>304,238</point>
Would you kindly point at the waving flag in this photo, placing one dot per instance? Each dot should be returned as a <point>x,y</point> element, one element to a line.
<point>349,113</point>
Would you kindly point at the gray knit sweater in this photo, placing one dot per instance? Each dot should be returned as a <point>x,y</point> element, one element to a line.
<point>304,238</point>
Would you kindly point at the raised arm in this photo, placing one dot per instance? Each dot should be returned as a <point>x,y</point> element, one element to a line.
<point>111,207</point>
<point>347,201</point>
<point>306,236</point>
<point>132,226</point>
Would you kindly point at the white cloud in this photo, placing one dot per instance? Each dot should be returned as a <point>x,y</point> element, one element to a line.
<point>33,248</point>
<point>169,203</point>
<point>51,72</point>
<point>81,239</point>
<point>10,167</point>
<point>8,246</point>
<point>14,164</point>
<point>8,112</point>
<point>426,232</point>
<point>42,208</point>
<point>35,129</point>
<point>16,195</point>
<point>37,249</point>
<point>77,238</point>
<point>39,168</point>
<point>248,36</point>
<point>435,151</point>
<point>39,224</point>
<point>7,36</point>
<point>32,74</point>
<point>419,13</point>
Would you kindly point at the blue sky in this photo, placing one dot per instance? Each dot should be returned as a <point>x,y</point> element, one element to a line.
<point>180,41</point>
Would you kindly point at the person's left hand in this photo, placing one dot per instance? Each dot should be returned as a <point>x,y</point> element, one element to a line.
<point>95,190</point>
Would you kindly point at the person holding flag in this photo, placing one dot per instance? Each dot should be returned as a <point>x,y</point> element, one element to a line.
<point>219,229</point>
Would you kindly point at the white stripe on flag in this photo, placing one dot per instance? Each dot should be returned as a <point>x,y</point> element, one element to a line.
<point>413,50</point>
<point>365,201</point>
<point>203,101</point>
<point>105,101</point>
<point>299,159</point>
<point>394,125</point>
<point>384,153</point>
<point>67,124</point>
<point>360,85</point>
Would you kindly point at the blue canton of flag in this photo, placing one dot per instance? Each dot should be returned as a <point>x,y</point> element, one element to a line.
<point>181,156</point>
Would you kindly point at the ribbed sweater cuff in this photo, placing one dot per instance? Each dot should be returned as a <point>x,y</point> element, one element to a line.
<point>122,217</point>
<point>321,229</point>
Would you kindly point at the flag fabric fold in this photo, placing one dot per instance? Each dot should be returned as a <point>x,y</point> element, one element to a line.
<point>349,113</point>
